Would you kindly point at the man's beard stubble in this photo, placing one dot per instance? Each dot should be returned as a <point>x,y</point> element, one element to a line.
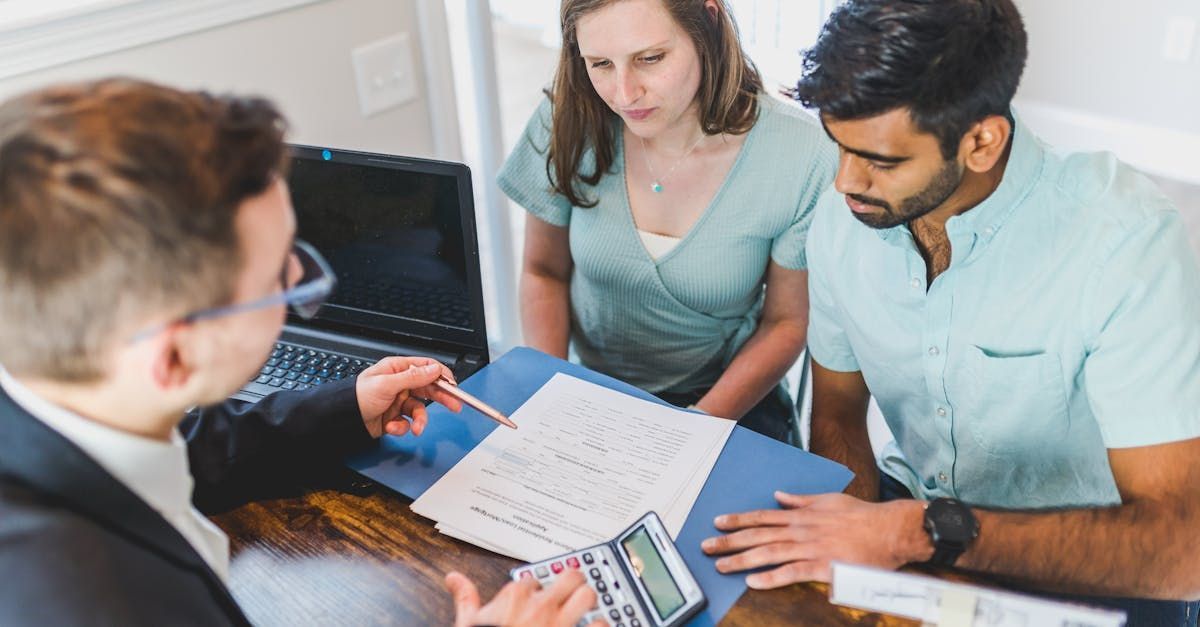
<point>944,184</point>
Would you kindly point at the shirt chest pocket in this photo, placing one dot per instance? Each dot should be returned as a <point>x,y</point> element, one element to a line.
<point>1011,403</point>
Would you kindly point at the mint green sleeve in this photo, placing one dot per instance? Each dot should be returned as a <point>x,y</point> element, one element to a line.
<point>524,176</point>
<point>788,249</point>
<point>1143,363</point>
<point>827,340</point>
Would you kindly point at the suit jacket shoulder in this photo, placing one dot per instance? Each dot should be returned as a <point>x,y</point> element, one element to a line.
<point>78,547</point>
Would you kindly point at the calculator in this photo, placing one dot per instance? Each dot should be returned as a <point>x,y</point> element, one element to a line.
<point>639,577</point>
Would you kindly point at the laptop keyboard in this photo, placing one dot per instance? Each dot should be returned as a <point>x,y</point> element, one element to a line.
<point>294,367</point>
<point>430,303</point>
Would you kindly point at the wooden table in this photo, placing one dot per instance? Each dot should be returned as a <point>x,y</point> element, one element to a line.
<point>350,552</point>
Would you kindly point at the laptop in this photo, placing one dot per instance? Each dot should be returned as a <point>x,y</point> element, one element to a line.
<point>399,233</point>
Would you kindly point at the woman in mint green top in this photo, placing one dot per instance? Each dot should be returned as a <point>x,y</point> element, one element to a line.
<point>678,264</point>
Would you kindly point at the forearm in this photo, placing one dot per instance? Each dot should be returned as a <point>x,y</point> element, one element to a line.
<point>545,313</point>
<point>1140,549</point>
<point>234,445</point>
<point>757,368</point>
<point>844,439</point>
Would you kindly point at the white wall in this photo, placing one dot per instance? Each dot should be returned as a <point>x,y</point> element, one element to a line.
<point>1105,56</point>
<point>300,58</point>
<point>1097,79</point>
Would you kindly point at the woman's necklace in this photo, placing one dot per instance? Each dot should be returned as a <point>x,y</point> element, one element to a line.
<point>656,184</point>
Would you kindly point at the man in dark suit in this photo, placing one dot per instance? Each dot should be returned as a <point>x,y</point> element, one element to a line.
<point>147,255</point>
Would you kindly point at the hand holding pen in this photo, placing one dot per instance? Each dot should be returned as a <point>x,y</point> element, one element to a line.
<point>391,394</point>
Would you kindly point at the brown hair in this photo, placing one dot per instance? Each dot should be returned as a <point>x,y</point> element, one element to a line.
<point>118,198</point>
<point>729,85</point>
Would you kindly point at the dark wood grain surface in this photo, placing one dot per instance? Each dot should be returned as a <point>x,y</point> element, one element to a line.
<point>351,552</point>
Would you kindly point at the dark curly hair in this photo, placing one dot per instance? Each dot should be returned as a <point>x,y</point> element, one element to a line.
<point>951,63</point>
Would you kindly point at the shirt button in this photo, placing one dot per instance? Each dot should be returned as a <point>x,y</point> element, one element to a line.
<point>915,282</point>
<point>933,351</point>
<point>941,411</point>
<point>942,477</point>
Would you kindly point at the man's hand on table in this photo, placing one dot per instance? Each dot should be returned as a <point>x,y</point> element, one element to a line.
<point>808,532</point>
<point>524,602</point>
<point>390,394</point>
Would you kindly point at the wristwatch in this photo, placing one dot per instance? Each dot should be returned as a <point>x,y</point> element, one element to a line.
<point>952,527</point>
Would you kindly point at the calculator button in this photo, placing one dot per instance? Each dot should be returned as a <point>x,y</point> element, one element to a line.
<point>607,598</point>
<point>542,572</point>
<point>557,567</point>
<point>588,559</point>
<point>573,562</point>
<point>614,614</point>
<point>601,587</point>
<point>595,573</point>
<point>628,610</point>
<point>525,574</point>
<point>635,623</point>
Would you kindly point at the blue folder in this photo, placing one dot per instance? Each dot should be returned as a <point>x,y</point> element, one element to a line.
<point>748,471</point>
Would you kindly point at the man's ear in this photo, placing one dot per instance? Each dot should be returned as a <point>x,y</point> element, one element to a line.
<point>986,142</point>
<point>169,368</point>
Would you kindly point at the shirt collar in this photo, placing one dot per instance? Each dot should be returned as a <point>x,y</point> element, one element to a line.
<point>1024,167</point>
<point>1021,173</point>
<point>157,472</point>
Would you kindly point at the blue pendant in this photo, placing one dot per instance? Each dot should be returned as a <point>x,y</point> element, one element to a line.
<point>656,187</point>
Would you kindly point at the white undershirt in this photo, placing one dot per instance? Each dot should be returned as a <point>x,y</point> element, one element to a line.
<point>657,245</point>
<point>157,472</point>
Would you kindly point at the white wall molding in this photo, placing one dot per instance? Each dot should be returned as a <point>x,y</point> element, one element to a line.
<point>31,45</point>
<point>1155,150</point>
<point>438,67</point>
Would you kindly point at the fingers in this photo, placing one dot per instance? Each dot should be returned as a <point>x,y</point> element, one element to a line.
<point>749,538</point>
<point>438,395</point>
<point>420,417</point>
<point>793,501</point>
<point>794,572</point>
<point>766,555</point>
<point>397,364</point>
<point>466,597</point>
<point>582,599</point>
<point>564,586</point>
<point>759,518</point>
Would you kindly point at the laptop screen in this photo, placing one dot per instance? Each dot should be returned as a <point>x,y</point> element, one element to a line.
<point>399,234</point>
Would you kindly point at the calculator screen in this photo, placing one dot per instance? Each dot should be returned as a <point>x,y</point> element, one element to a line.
<point>649,566</point>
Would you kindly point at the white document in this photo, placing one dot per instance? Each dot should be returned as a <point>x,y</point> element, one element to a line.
<point>585,463</point>
<point>939,602</point>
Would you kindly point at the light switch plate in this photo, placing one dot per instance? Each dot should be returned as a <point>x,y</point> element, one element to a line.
<point>384,73</point>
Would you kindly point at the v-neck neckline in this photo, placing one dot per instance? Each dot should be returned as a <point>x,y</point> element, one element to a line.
<point>632,231</point>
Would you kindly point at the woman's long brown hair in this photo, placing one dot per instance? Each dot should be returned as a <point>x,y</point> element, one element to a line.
<point>727,97</point>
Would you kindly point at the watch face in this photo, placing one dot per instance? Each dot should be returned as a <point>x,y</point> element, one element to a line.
<point>951,521</point>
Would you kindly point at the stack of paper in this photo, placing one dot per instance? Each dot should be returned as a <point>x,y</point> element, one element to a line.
<point>585,463</point>
<point>949,604</point>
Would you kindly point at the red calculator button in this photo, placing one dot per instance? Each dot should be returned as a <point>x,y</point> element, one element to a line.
<point>557,567</point>
<point>573,562</point>
<point>526,574</point>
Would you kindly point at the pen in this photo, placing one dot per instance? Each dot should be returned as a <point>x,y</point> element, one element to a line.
<point>451,388</point>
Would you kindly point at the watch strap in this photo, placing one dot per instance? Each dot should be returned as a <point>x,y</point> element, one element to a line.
<point>944,555</point>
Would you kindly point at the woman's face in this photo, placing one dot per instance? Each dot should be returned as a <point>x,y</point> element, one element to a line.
<point>642,64</point>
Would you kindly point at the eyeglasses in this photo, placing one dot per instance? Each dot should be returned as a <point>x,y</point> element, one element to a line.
<point>305,298</point>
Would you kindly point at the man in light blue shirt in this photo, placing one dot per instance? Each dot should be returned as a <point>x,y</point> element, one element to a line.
<point>1028,322</point>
